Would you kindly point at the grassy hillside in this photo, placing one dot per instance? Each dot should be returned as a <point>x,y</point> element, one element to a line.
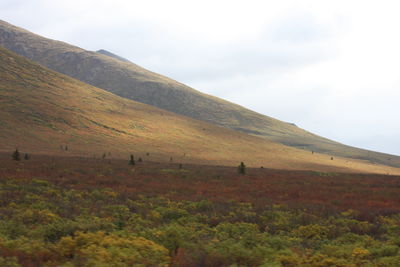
<point>42,111</point>
<point>109,72</point>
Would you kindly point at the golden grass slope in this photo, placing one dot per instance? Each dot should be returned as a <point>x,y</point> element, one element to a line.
<point>131,81</point>
<point>41,110</point>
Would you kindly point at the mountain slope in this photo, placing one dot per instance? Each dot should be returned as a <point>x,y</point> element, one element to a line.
<point>107,53</point>
<point>41,110</point>
<point>128,80</point>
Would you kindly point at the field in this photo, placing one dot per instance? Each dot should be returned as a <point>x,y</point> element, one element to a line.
<point>74,211</point>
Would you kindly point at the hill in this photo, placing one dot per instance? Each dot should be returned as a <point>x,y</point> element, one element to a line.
<point>43,112</point>
<point>107,53</point>
<point>121,77</point>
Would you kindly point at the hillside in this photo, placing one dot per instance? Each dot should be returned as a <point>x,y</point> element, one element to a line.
<point>123,78</point>
<point>107,53</point>
<point>42,112</point>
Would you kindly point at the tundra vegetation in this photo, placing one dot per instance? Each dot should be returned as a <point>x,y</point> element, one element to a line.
<point>82,212</point>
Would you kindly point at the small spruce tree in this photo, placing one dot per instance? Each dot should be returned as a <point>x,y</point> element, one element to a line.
<point>26,157</point>
<point>132,161</point>
<point>140,160</point>
<point>16,155</point>
<point>242,168</point>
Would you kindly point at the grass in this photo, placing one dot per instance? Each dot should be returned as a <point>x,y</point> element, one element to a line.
<point>131,81</point>
<point>49,110</point>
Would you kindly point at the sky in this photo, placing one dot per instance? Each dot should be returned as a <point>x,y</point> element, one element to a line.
<point>330,67</point>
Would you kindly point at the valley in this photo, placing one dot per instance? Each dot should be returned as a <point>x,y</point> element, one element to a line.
<point>105,163</point>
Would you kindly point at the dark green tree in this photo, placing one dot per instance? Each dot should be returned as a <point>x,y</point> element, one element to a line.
<point>132,161</point>
<point>16,155</point>
<point>26,157</point>
<point>242,168</point>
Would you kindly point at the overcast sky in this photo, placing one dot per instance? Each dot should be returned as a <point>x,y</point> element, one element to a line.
<point>331,67</point>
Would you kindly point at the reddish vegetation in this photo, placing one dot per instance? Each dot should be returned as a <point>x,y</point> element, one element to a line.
<point>321,192</point>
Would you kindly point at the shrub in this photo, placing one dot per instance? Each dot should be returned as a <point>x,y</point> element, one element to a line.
<point>9,262</point>
<point>16,155</point>
<point>98,249</point>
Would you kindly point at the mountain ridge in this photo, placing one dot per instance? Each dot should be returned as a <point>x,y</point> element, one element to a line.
<point>108,53</point>
<point>42,110</point>
<point>130,81</point>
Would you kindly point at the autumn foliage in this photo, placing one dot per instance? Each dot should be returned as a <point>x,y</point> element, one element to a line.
<point>91,212</point>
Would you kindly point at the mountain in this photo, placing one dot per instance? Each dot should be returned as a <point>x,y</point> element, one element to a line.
<point>125,79</point>
<point>107,53</point>
<point>42,112</point>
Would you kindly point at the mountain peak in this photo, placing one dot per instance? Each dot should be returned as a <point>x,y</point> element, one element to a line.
<point>107,53</point>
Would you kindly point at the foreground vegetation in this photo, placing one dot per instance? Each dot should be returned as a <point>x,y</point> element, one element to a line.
<point>111,214</point>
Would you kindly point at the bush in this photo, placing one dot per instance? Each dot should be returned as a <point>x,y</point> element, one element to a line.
<point>16,155</point>
<point>98,248</point>
<point>9,262</point>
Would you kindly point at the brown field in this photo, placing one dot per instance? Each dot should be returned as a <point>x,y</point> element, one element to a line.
<point>321,192</point>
